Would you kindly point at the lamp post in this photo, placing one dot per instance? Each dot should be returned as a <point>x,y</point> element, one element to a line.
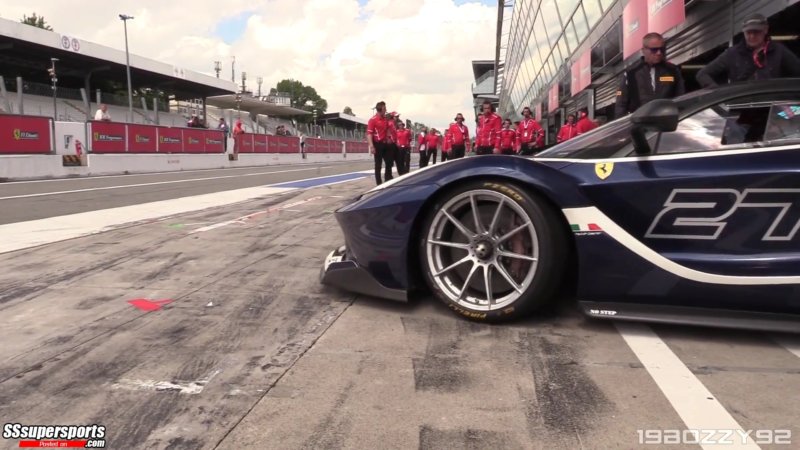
<point>259,80</point>
<point>244,82</point>
<point>54,79</point>
<point>125,18</point>
<point>217,67</point>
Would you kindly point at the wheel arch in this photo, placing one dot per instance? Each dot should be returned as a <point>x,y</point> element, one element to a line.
<point>416,282</point>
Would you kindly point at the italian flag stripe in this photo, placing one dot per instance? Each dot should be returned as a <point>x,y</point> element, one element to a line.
<point>585,227</point>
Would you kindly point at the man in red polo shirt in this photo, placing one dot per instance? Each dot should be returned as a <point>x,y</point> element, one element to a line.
<point>585,124</point>
<point>377,138</point>
<point>447,146</point>
<point>404,148</point>
<point>459,135</point>
<point>432,145</point>
<point>506,139</point>
<point>489,125</point>
<point>568,130</point>
<point>528,132</point>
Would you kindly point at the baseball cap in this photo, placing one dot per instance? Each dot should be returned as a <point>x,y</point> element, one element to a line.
<point>755,22</point>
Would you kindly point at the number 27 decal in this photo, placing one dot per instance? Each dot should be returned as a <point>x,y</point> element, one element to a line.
<point>703,213</point>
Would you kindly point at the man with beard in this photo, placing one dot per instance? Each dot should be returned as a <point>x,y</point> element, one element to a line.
<point>489,125</point>
<point>377,138</point>
<point>528,132</point>
<point>459,135</point>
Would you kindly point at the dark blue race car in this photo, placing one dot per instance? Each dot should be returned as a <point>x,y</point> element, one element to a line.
<point>686,211</point>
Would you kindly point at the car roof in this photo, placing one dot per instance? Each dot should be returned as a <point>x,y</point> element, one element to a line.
<point>743,88</point>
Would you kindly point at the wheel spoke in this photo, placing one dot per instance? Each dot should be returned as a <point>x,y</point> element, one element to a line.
<point>508,278</point>
<point>459,225</point>
<point>449,244</point>
<point>514,231</point>
<point>516,256</point>
<point>476,215</point>
<point>487,277</point>
<point>453,266</point>
<point>469,278</point>
<point>493,226</point>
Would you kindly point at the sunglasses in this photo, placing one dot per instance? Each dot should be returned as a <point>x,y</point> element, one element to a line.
<point>657,49</point>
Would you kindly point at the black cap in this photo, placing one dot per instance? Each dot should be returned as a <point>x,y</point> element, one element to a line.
<point>755,22</point>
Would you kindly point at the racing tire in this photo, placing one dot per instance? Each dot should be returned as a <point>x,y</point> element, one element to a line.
<point>492,251</point>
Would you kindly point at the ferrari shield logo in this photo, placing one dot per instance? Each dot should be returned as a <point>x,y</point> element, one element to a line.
<point>603,170</point>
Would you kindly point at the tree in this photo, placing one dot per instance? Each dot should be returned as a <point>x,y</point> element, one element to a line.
<point>303,97</point>
<point>348,110</point>
<point>36,21</point>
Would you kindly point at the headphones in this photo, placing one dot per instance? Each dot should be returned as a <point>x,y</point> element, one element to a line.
<point>760,56</point>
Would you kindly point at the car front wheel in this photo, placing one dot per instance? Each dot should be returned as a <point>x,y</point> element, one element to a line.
<point>491,251</point>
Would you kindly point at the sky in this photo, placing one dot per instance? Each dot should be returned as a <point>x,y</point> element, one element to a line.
<point>414,54</point>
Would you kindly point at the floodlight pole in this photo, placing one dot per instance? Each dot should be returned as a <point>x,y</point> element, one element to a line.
<point>125,19</point>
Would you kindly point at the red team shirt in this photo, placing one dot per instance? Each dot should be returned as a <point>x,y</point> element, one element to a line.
<point>378,127</point>
<point>432,141</point>
<point>459,134</point>
<point>527,130</point>
<point>392,131</point>
<point>506,139</point>
<point>448,142</point>
<point>567,132</point>
<point>489,127</point>
<point>404,138</point>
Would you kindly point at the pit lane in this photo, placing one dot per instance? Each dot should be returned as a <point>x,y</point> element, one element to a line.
<point>248,350</point>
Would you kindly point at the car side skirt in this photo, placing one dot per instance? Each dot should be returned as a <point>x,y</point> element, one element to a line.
<point>705,317</point>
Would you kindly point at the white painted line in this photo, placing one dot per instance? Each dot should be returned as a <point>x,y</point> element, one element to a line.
<point>53,229</point>
<point>171,172</point>
<point>155,183</point>
<point>243,220</point>
<point>190,387</point>
<point>791,343</point>
<point>693,402</point>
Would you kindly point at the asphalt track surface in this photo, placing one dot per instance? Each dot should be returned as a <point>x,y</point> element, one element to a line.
<point>248,350</point>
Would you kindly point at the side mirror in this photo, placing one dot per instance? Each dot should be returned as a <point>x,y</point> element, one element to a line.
<point>657,115</point>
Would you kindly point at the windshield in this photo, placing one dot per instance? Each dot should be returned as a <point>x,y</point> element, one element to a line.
<point>602,142</point>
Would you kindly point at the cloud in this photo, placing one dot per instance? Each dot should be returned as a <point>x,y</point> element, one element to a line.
<point>415,54</point>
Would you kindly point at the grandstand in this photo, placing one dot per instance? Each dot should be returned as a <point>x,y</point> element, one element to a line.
<point>87,73</point>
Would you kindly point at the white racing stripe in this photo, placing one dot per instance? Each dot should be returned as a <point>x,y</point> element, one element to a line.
<point>693,402</point>
<point>594,215</point>
<point>155,183</point>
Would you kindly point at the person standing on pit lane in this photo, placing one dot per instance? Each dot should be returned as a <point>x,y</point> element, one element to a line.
<point>404,148</point>
<point>432,145</point>
<point>528,133</point>
<point>391,136</point>
<point>447,145</point>
<point>568,130</point>
<point>585,124</point>
<point>377,138</point>
<point>649,79</point>
<point>506,139</point>
<point>421,147</point>
<point>459,134</point>
<point>757,57</point>
<point>489,125</point>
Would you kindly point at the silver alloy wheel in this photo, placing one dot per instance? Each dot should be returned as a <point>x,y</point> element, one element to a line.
<point>473,265</point>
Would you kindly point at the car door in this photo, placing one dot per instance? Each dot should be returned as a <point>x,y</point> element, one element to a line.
<point>715,207</point>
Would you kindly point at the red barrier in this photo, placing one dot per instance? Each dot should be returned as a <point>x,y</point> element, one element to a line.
<point>108,137</point>
<point>170,140</point>
<point>215,141</point>
<point>25,134</point>
<point>194,140</point>
<point>259,143</point>
<point>314,145</point>
<point>142,139</point>
<point>284,144</point>
<point>244,143</point>
<point>357,147</point>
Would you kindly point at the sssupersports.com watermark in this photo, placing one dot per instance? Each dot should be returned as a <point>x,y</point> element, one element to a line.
<point>715,437</point>
<point>56,436</point>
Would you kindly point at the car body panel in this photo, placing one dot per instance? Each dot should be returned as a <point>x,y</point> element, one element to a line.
<point>659,234</point>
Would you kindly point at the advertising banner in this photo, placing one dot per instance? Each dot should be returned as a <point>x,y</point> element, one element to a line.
<point>244,143</point>
<point>24,135</point>
<point>634,26</point>
<point>170,140</point>
<point>142,139</point>
<point>575,80</point>
<point>663,15</point>
<point>260,143</point>
<point>552,98</point>
<point>194,140</point>
<point>108,137</point>
<point>586,69</point>
<point>215,141</point>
